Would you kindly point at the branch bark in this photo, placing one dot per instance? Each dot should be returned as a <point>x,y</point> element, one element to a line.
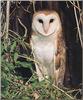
<point>7,17</point>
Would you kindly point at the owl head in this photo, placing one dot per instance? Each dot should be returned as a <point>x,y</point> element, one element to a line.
<point>46,23</point>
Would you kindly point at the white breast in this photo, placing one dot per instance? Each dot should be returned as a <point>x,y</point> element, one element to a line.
<point>44,49</point>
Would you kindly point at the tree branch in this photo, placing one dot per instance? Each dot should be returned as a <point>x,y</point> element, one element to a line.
<point>7,17</point>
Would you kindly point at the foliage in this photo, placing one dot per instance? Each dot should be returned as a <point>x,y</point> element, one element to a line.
<point>13,87</point>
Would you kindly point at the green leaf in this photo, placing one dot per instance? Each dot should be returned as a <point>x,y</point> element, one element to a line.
<point>5,85</point>
<point>15,56</point>
<point>25,98</point>
<point>13,47</point>
<point>24,64</point>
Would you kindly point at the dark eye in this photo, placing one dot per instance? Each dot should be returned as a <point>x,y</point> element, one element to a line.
<point>40,21</point>
<point>51,20</point>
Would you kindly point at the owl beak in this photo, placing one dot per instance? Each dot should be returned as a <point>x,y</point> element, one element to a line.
<point>46,28</point>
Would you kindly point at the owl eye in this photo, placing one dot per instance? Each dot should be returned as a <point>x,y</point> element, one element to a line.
<point>40,21</point>
<point>51,20</point>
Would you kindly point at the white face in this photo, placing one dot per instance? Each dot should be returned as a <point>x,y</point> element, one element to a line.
<point>46,24</point>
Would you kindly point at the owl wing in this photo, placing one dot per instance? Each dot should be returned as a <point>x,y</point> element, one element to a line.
<point>60,60</point>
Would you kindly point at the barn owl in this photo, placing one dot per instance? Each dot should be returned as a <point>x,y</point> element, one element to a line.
<point>48,46</point>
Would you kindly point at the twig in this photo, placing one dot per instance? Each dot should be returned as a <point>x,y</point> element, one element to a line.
<point>7,18</point>
<point>15,33</point>
<point>75,5</point>
<point>12,36</point>
<point>67,4</point>
<point>24,45</point>
<point>79,33</point>
<point>4,29</point>
<point>27,44</point>
<point>23,27</point>
<point>78,4</point>
<point>76,94</point>
<point>81,17</point>
<point>29,6</point>
<point>81,14</point>
<point>25,9</point>
<point>30,78</point>
<point>63,91</point>
<point>12,11</point>
<point>34,6</point>
<point>73,90</point>
<point>28,58</point>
